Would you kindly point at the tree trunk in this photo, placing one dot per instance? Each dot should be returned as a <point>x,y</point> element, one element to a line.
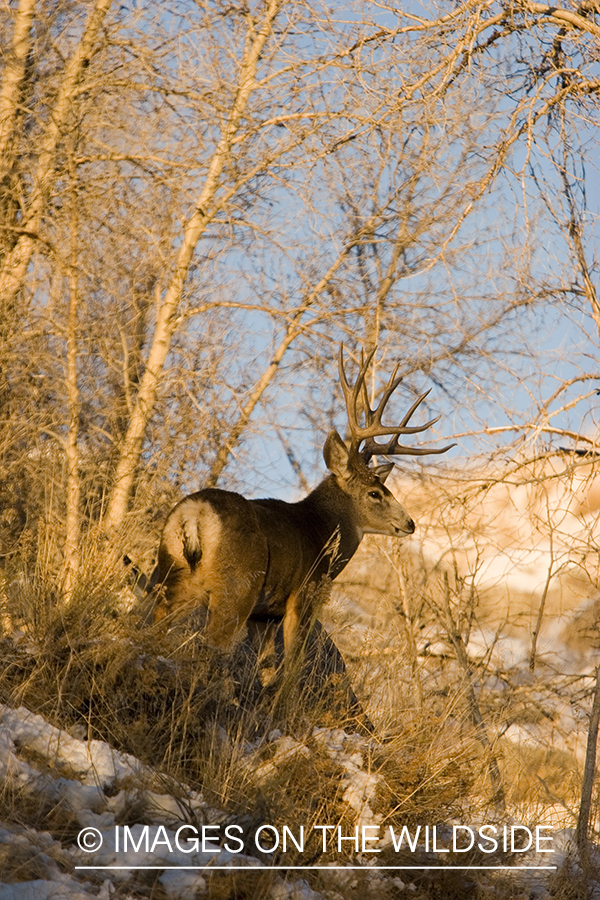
<point>15,265</point>
<point>589,772</point>
<point>12,82</point>
<point>167,314</point>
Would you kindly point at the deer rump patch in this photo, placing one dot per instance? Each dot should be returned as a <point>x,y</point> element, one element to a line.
<point>217,541</point>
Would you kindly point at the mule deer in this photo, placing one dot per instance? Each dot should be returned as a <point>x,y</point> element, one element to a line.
<point>265,559</point>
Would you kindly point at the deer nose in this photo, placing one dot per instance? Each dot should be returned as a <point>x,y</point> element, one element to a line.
<point>410,526</point>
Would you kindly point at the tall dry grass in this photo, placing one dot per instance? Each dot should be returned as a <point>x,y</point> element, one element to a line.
<point>203,722</point>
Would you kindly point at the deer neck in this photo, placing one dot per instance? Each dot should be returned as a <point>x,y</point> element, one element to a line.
<point>330,514</point>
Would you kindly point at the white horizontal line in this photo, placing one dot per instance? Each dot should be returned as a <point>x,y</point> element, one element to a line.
<point>305,868</point>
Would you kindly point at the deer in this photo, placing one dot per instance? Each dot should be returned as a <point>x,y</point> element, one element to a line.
<point>264,559</point>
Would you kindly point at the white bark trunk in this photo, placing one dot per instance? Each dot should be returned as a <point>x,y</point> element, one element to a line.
<point>14,268</point>
<point>73,520</point>
<point>14,74</point>
<point>166,319</point>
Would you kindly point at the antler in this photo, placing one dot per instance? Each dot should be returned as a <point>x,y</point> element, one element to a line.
<point>357,401</point>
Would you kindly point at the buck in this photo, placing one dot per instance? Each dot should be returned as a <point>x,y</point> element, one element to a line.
<point>265,559</point>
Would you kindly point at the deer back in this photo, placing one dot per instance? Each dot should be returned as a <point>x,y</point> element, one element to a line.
<point>217,541</point>
<point>242,557</point>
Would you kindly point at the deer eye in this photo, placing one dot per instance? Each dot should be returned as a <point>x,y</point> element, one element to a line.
<point>375,494</point>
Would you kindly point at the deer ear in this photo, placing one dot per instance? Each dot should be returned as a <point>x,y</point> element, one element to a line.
<point>382,471</point>
<point>336,456</point>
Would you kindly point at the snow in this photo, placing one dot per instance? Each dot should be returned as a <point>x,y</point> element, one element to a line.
<point>160,842</point>
<point>361,786</point>
<point>184,885</point>
<point>68,889</point>
<point>299,890</point>
<point>286,749</point>
<point>98,786</point>
<point>94,762</point>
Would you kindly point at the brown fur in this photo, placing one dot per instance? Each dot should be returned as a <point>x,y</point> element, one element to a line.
<point>265,558</point>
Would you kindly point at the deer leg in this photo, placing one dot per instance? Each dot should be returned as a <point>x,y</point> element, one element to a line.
<point>180,595</point>
<point>226,622</point>
<point>301,610</point>
<point>296,625</point>
<point>231,601</point>
<point>291,622</point>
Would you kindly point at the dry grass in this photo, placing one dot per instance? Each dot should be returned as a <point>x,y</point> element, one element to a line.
<point>93,667</point>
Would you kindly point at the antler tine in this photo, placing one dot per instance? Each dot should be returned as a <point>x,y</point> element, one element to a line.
<point>364,397</point>
<point>352,393</point>
<point>415,406</point>
<point>401,450</point>
<point>391,386</point>
<point>373,426</point>
<point>393,447</point>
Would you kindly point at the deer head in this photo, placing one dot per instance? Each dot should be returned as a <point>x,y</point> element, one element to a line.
<point>376,510</point>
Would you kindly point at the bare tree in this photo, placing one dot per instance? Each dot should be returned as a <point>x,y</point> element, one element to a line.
<point>15,264</point>
<point>243,204</point>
